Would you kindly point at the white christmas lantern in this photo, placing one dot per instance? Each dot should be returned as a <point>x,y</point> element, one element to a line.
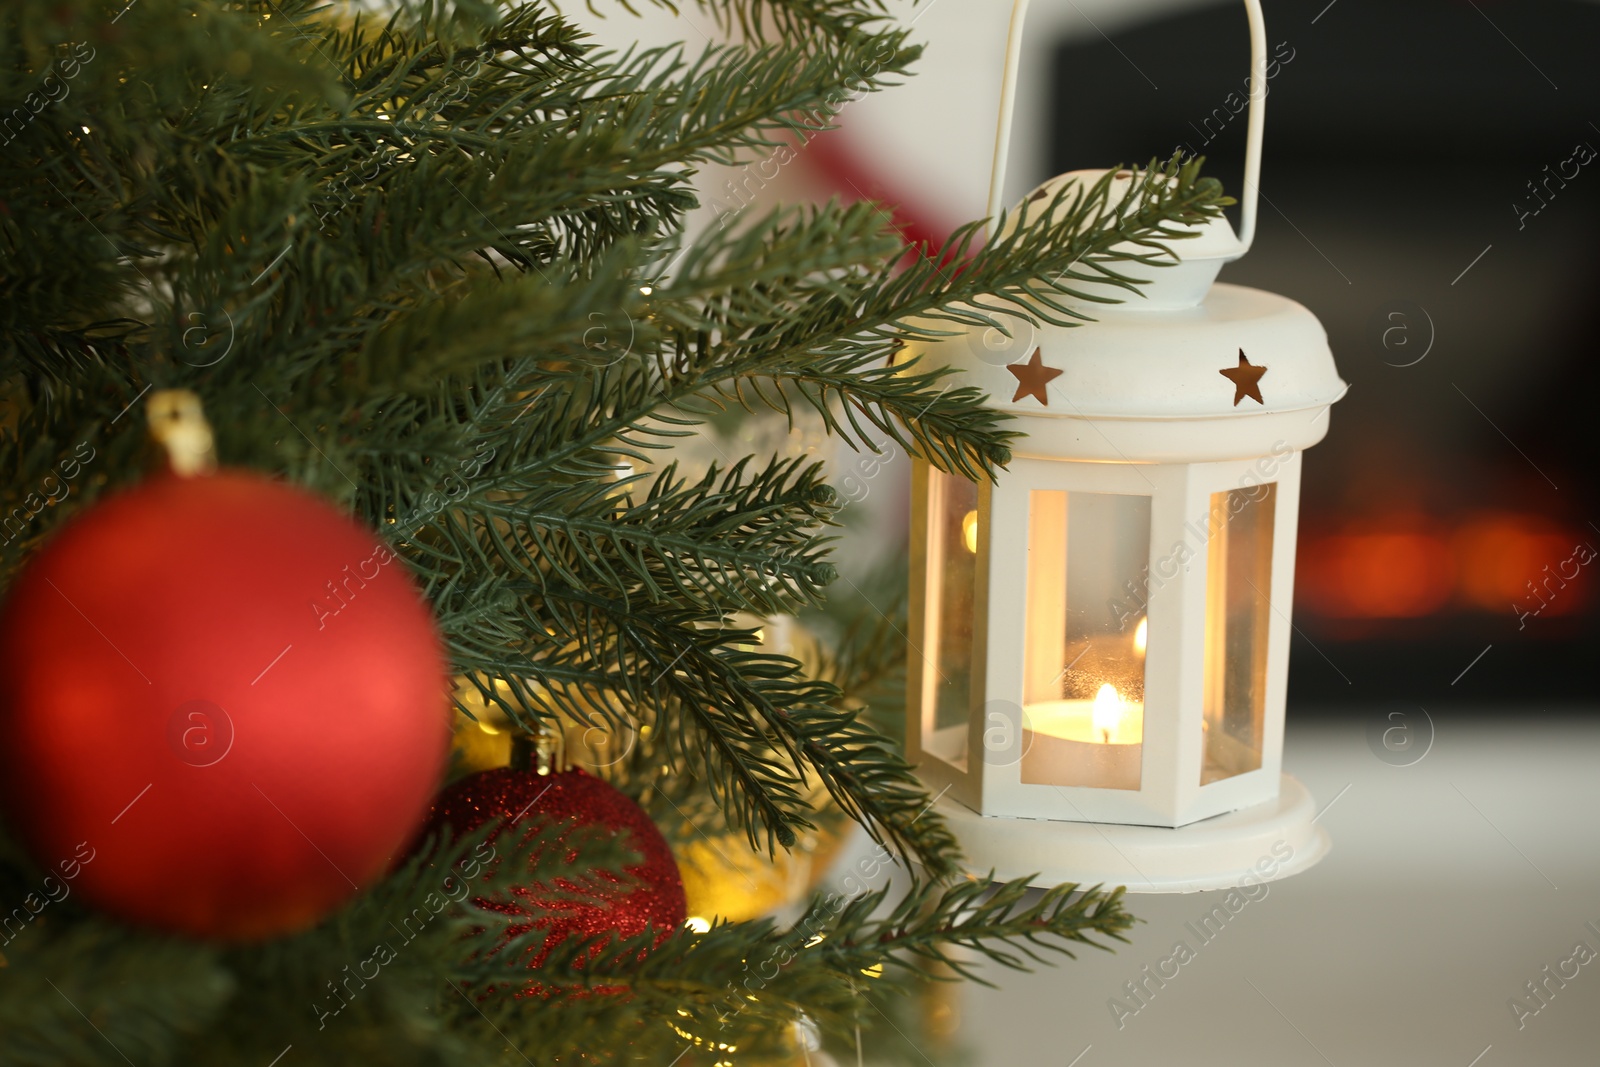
<point>1101,638</point>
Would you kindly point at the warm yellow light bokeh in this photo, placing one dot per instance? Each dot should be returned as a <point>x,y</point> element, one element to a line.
<point>969,531</point>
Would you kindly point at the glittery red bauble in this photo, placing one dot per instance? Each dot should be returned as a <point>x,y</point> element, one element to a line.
<point>223,706</point>
<point>530,801</point>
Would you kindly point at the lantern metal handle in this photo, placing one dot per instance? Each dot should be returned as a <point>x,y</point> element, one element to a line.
<point>1255,121</point>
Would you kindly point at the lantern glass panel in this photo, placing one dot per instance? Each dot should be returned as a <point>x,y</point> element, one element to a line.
<point>1085,639</point>
<point>1238,614</point>
<point>952,554</point>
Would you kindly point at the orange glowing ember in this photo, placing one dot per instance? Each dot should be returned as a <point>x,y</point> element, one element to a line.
<point>1405,567</point>
<point>1378,575</point>
<point>1502,553</point>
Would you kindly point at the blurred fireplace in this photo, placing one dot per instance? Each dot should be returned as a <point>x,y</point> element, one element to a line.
<point>1449,517</point>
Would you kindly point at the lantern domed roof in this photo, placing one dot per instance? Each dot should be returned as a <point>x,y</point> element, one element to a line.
<point>1212,239</point>
<point>1197,256</point>
<point>1238,374</point>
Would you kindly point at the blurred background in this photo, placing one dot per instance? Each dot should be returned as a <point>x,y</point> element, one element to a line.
<point>1424,194</point>
<point>1431,191</point>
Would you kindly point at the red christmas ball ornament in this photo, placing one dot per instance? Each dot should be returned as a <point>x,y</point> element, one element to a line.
<point>528,802</point>
<point>223,706</point>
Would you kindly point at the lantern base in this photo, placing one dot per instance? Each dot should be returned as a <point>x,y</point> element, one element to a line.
<point>1262,843</point>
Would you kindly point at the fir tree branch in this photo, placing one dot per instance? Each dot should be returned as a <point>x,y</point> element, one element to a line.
<point>378,250</point>
<point>739,984</point>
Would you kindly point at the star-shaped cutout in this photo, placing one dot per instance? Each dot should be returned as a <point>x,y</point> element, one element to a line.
<point>1246,379</point>
<point>1032,377</point>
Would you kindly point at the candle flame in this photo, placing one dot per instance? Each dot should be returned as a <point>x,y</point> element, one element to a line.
<point>969,531</point>
<point>1108,711</point>
<point>1141,635</point>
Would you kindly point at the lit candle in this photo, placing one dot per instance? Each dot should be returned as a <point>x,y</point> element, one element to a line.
<point>1107,714</point>
<point>1097,743</point>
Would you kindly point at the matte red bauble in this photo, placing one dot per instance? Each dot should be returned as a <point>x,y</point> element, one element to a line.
<point>229,695</point>
<point>529,802</point>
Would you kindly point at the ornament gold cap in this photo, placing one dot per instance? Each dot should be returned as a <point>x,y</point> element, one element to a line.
<point>542,749</point>
<point>178,424</point>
